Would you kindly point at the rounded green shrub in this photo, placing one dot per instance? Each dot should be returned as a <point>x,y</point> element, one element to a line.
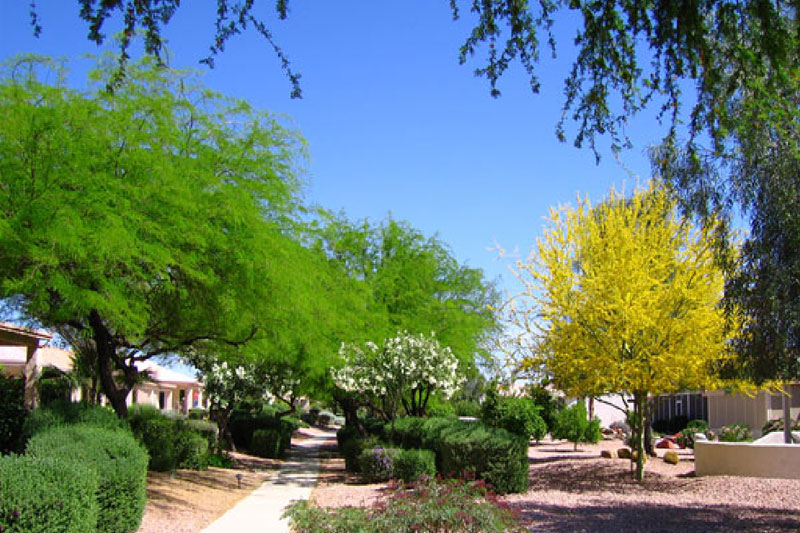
<point>119,461</point>
<point>60,413</point>
<point>409,465</point>
<point>191,450</point>
<point>376,463</point>
<point>735,433</point>
<point>688,434</point>
<point>157,435</point>
<point>495,455</point>
<point>47,495</point>
<point>270,443</point>
<point>574,425</point>
<point>521,417</point>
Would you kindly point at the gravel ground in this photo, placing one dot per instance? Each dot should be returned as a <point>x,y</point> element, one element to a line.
<point>188,501</point>
<point>582,492</point>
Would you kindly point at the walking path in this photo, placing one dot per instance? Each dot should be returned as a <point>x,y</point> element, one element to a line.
<point>262,509</point>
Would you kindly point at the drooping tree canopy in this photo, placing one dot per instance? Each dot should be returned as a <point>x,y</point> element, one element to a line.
<point>153,219</point>
<point>413,284</point>
<point>630,54</point>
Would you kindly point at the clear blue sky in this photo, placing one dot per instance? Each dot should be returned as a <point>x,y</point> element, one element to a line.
<point>393,122</point>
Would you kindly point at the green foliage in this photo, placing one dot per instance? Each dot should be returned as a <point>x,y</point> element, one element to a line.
<point>693,427</point>
<point>63,413</point>
<point>206,429</point>
<point>171,443</point>
<point>376,463</point>
<point>270,443</point>
<point>198,414</point>
<point>494,455</point>
<point>490,408</point>
<point>157,434</point>
<point>549,405</point>
<point>519,416</point>
<point>191,449</point>
<point>499,457</point>
<point>414,284</point>
<point>467,408</point>
<point>346,433</point>
<point>376,427</point>
<point>92,241</point>
<point>776,424</point>
<point>244,424</point>
<point>735,433</point>
<point>409,465</point>
<point>47,495</point>
<point>573,425</point>
<point>119,461</point>
<point>12,413</point>
<point>430,505</point>
<point>440,408</point>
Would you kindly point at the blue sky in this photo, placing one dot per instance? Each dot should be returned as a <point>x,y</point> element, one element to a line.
<point>393,122</point>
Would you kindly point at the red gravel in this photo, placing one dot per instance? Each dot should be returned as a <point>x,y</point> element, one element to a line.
<point>582,492</point>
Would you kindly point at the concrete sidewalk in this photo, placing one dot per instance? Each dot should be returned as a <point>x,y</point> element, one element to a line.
<point>262,509</point>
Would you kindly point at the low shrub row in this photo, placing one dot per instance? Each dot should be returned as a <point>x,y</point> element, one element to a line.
<point>66,413</point>
<point>499,457</point>
<point>172,443</point>
<point>263,434</point>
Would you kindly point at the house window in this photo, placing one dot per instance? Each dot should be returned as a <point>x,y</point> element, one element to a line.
<point>162,400</point>
<point>678,407</point>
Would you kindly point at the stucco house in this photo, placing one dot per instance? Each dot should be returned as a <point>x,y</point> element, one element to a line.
<point>24,352</point>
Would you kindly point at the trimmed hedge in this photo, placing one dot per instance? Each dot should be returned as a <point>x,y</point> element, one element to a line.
<point>410,464</point>
<point>46,495</point>
<point>119,461</point>
<point>62,413</point>
<point>172,443</point>
<point>495,455</point>
<point>499,457</point>
<point>12,414</point>
<point>376,463</point>
<point>270,443</point>
<point>244,424</point>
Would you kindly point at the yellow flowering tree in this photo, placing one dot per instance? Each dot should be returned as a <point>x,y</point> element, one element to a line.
<point>623,297</point>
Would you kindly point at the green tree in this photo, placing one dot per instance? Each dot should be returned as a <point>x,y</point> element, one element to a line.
<point>151,220</point>
<point>413,283</point>
<point>573,424</point>
<point>630,55</point>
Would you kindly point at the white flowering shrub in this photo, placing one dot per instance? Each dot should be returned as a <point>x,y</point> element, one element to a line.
<point>407,368</point>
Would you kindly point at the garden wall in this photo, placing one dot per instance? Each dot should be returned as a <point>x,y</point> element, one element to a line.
<point>747,459</point>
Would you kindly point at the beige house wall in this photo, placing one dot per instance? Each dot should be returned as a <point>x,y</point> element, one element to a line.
<point>746,459</point>
<point>725,409</point>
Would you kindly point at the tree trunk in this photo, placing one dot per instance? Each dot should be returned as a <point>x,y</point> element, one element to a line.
<point>640,410</point>
<point>787,417</point>
<point>349,407</point>
<point>223,418</point>
<point>106,353</point>
<point>648,431</point>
